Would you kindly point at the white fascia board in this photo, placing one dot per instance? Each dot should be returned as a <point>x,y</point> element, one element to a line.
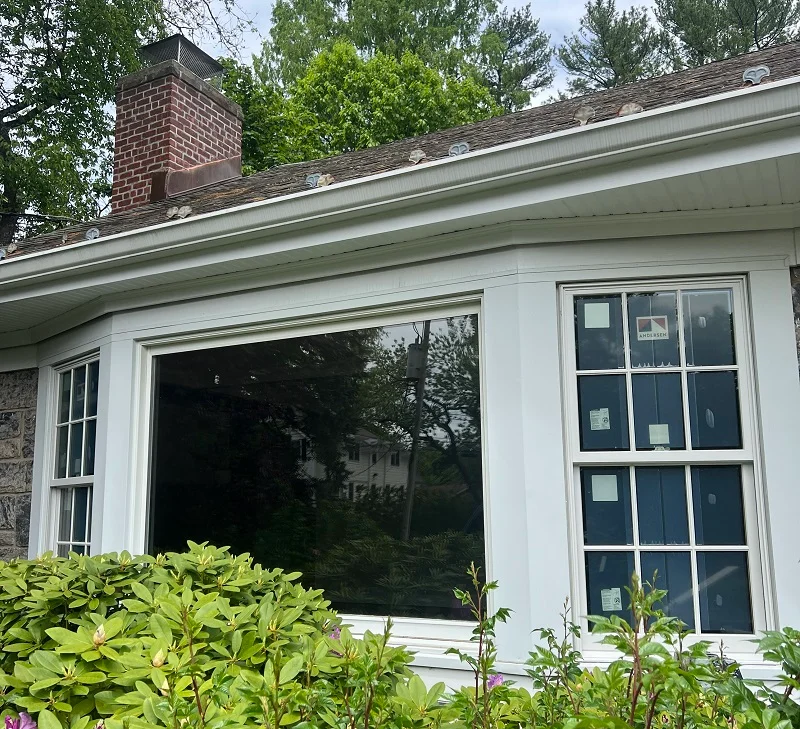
<point>684,126</point>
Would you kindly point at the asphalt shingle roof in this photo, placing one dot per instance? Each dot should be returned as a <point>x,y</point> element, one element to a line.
<point>714,78</point>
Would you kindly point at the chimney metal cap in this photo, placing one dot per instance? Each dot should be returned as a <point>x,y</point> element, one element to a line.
<point>179,48</point>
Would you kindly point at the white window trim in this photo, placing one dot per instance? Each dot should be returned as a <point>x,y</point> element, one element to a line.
<point>749,455</point>
<point>54,486</point>
<point>428,637</point>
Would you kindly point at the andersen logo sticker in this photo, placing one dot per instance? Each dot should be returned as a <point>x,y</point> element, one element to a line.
<point>652,327</point>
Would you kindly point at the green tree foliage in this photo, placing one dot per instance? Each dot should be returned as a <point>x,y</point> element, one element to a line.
<point>58,68</point>
<point>611,48</point>
<point>515,58</point>
<point>710,30</point>
<point>445,34</point>
<point>345,102</point>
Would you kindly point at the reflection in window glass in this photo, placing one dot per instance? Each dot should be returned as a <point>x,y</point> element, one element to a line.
<point>607,506</point>
<point>603,412</point>
<point>724,592</point>
<point>91,389</point>
<point>598,332</point>
<point>661,506</point>
<point>714,410</point>
<point>78,391</point>
<point>653,329</point>
<point>718,508</point>
<point>708,327</point>
<point>658,411</point>
<point>607,576</point>
<point>673,573</point>
<point>63,396</point>
<point>225,468</point>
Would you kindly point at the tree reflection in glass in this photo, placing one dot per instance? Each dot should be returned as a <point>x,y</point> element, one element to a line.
<point>254,447</point>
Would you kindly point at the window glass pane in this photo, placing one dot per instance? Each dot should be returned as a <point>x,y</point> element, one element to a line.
<point>75,448</point>
<point>661,506</point>
<point>675,576</point>
<point>724,592</point>
<point>718,508</point>
<point>598,332</point>
<point>607,576</point>
<point>63,550</point>
<point>607,506</point>
<point>79,533</point>
<point>88,448</point>
<point>603,412</point>
<point>653,329</point>
<point>225,468</point>
<point>658,411</point>
<point>61,451</point>
<point>714,410</point>
<point>708,327</point>
<point>91,401</point>
<point>78,392</point>
<point>64,515</point>
<point>63,396</point>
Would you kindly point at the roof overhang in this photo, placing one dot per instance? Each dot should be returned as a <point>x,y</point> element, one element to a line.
<point>748,140</point>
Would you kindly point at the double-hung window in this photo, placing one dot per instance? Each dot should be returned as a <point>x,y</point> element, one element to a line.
<point>662,455</point>
<point>73,469</point>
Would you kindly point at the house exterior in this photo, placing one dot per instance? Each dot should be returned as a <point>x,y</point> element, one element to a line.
<point>559,343</point>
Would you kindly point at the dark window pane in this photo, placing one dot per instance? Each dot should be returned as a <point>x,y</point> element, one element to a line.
<point>607,576</point>
<point>64,515</point>
<point>658,412</point>
<point>718,508</point>
<point>88,447</point>
<point>91,401</point>
<point>661,505</point>
<point>598,332</point>
<point>606,506</point>
<point>63,398</point>
<point>603,412</point>
<point>724,592</point>
<point>79,520</point>
<point>63,550</point>
<point>226,468</point>
<point>653,329</point>
<point>75,449</point>
<point>61,451</point>
<point>714,410</point>
<point>708,327</point>
<point>78,392</point>
<point>675,576</point>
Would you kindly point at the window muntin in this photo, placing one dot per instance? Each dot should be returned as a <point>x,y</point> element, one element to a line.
<point>667,408</point>
<point>74,463</point>
<point>221,471</point>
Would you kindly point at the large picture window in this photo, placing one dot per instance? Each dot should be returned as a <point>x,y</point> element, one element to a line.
<point>353,457</point>
<point>73,470</point>
<point>661,447</point>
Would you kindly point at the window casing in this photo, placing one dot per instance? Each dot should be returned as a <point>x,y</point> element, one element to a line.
<point>662,459</point>
<point>72,472</point>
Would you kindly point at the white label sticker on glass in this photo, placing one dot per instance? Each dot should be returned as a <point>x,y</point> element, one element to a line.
<point>599,420</point>
<point>611,599</point>
<point>604,488</point>
<point>659,434</point>
<point>652,327</point>
<point>596,315</point>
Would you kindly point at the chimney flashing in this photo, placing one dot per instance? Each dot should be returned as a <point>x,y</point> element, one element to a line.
<point>168,183</point>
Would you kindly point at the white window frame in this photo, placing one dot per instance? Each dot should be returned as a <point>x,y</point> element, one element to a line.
<point>59,488</point>
<point>424,634</point>
<point>748,457</point>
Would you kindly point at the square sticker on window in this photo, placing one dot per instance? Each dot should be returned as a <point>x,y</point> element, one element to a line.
<point>652,327</point>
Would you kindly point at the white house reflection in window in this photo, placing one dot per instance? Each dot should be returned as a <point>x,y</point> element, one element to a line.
<point>331,455</point>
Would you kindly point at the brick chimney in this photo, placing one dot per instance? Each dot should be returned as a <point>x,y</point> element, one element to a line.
<point>174,130</point>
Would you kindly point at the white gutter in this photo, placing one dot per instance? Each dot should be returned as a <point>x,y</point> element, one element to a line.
<point>690,124</point>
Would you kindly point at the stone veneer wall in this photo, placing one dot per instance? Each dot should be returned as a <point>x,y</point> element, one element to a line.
<point>17,427</point>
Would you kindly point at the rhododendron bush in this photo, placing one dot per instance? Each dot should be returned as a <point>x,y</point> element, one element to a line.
<point>209,640</point>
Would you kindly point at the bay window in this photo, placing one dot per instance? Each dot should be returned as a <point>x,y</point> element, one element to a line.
<point>662,450</point>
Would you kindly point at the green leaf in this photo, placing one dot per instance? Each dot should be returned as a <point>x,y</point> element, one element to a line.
<point>48,720</point>
<point>291,668</point>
